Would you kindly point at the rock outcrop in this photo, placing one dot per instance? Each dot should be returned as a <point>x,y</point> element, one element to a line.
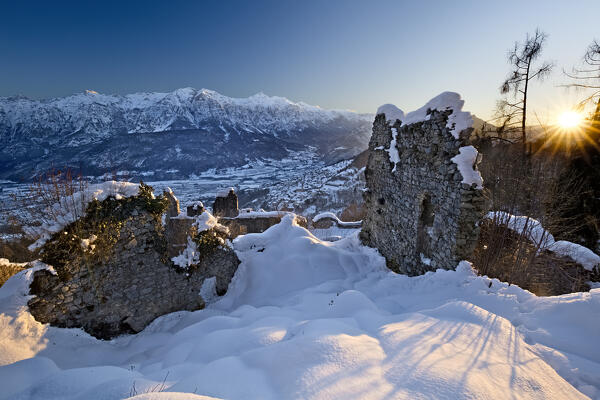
<point>424,196</point>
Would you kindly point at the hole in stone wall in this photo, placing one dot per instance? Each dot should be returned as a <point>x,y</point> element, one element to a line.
<point>425,224</point>
<point>381,201</point>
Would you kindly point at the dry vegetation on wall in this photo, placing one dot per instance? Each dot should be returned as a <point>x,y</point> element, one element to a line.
<point>45,191</point>
<point>7,270</point>
<point>528,186</point>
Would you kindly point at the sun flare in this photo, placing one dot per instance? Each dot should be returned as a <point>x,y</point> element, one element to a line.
<point>570,119</point>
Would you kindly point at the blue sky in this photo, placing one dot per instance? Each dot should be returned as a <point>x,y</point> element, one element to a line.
<point>336,54</point>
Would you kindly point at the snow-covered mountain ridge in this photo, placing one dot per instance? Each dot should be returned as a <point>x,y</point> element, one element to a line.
<point>186,108</point>
<point>97,133</point>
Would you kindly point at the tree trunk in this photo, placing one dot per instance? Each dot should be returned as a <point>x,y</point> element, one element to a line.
<point>524,119</point>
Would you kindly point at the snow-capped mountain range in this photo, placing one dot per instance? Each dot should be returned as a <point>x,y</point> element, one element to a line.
<point>187,131</point>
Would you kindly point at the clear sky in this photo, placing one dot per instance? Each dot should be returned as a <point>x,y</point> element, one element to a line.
<point>336,54</point>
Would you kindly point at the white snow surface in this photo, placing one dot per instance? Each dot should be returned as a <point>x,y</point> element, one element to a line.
<point>578,253</point>
<point>535,232</point>
<point>260,214</point>
<point>306,319</point>
<point>70,208</point>
<point>334,217</point>
<point>189,256</point>
<point>393,150</point>
<point>206,221</point>
<point>465,160</point>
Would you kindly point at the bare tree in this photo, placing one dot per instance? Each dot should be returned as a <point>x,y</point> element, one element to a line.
<point>588,78</point>
<point>513,113</point>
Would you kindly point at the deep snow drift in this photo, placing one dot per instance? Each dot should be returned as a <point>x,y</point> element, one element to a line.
<point>310,319</point>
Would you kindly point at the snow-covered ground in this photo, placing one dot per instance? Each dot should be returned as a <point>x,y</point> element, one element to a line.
<point>309,319</point>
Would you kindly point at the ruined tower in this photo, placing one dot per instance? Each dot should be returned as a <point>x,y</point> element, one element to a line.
<point>424,195</point>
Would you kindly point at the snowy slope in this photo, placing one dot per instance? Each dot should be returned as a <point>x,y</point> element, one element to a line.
<point>100,133</point>
<point>305,319</point>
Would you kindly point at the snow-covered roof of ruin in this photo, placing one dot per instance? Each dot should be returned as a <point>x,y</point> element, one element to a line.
<point>332,216</point>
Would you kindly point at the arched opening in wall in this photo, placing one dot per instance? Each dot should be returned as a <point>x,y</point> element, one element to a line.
<point>426,218</point>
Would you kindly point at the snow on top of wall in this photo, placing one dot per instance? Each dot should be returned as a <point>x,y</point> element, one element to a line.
<point>205,221</point>
<point>71,208</point>
<point>261,214</point>
<point>330,215</point>
<point>196,205</point>
<point>578,253</point>
<point>457,121</point>
<point>535,232</point>
<point>466,160</point>
<point>393,150</point>
<point>189,256</point>
<point>392,113</point>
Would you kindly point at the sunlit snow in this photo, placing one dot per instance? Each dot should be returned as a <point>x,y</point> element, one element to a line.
<point>306,319</point>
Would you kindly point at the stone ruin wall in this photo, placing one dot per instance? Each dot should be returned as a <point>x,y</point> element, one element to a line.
<point>420,215</point>
<point>125,290</point>
<point>136,282</point>
<point>238,223</point>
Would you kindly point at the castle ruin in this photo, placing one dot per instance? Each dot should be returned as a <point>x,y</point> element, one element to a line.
<point>424,195</point>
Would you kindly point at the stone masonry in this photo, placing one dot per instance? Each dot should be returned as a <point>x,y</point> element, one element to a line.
<point>419,213</point>
<point>226,204</point>
<point>241,223</point>
<point>120,287</point>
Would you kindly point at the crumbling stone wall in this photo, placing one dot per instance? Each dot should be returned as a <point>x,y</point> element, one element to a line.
<point>238,223</point>
<point>226,204</point>
<point>419,213</point>
<point>124,278</point>
<point>243,224</point>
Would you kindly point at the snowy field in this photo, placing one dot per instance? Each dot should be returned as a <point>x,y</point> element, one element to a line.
<point>307,319</point>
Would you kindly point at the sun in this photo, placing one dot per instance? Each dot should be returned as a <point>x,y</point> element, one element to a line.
<point>570,119</point>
